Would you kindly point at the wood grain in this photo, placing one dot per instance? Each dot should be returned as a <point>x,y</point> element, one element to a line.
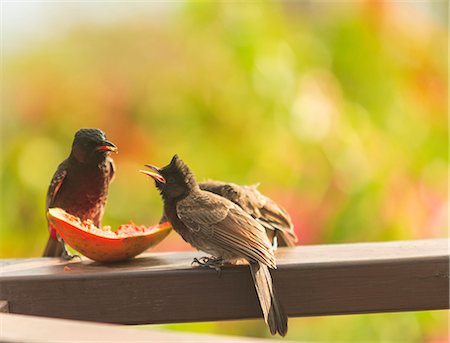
<point>164,288</point>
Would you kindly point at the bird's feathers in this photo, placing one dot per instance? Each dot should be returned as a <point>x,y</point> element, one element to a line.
<point>223,224</point>
<point>266,211</point>
<point>56,183</point>
<point>217,225</point>
<point>80,183</point>
<point>53,248</point>
<point>274,315</point>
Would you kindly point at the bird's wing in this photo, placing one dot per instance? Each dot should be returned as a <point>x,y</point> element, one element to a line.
<point>267,212</point>
<point>275,216</point>
<point>253,199</point>
<point>226,226</point>
<point>223,189</point>
<point>202,210</point>
<point>56,184</point>
<point>247,197</point>
<point>112,169</point>
<point>271,215</point>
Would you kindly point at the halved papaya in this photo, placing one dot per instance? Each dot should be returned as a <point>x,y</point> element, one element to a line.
<point>104,245</point>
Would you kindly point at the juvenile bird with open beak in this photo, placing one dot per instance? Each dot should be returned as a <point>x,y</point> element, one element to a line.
<point>219,227</point>
<point>80,184</point>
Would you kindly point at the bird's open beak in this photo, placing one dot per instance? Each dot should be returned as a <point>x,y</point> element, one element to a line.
<point>154,174</point>
<point>107,146</point>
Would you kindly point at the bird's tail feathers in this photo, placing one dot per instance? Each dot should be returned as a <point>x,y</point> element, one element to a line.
<point>53,248</point>
<point>274,315</point>
<point>287,238</point>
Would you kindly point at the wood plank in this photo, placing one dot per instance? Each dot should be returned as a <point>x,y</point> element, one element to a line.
<point>46,330</point>
<point>164,288</point>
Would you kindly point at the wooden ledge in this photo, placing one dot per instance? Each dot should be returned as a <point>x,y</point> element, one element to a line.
<point>49,330</point>
<point>164,288</point>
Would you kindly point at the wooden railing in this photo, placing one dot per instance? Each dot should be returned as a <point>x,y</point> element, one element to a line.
<point>165,288</point>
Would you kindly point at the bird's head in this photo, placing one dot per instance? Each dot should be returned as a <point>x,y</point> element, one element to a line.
<point>174,180</point>
<point>91,145</point>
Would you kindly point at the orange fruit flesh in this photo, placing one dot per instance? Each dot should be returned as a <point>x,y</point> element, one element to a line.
<point>104,245</point>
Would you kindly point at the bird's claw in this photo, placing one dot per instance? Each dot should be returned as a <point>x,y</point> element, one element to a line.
<point>210,262</point>
<point>195,261</point>
<point>68,256</point>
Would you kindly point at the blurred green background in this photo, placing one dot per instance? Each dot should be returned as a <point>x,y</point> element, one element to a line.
<point>339,109</point>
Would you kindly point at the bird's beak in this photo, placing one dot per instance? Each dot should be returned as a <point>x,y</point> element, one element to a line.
<point>107,146</point>
<point>155,174</point>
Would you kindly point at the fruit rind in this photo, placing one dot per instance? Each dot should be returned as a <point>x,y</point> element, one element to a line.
<point>105,246</point>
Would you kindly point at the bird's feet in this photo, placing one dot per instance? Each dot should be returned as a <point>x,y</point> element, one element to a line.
<point>67,256</point>
<point>209,262</point>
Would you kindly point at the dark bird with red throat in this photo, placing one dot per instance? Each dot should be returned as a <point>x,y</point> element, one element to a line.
<point>80,184</point>
<point>219,227</point>
<point>268,213</point>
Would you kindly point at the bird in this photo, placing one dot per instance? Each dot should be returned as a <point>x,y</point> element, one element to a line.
<point>275,219</point>
<point>217,226</point>
<point>80,184</point>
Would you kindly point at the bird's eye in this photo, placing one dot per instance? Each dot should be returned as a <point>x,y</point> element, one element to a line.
<point>170,179</point>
